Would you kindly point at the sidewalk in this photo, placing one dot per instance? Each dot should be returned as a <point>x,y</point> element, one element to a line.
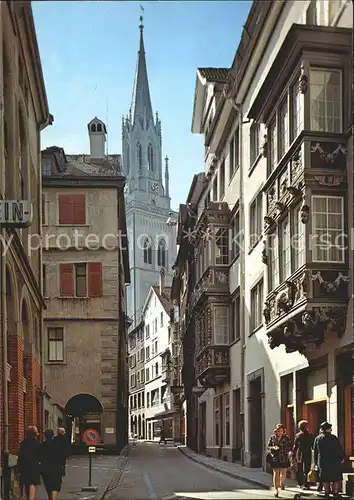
<point>253,476</point>
<point>105,470</point>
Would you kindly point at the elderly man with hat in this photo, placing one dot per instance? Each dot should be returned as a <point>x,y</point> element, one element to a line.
<point>329,456</point>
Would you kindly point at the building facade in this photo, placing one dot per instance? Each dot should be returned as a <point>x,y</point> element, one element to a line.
<point>137,381</point>
<point>23,114</point>
<point>272,302</point>
<point>85,271</point>
<point>147,193</point>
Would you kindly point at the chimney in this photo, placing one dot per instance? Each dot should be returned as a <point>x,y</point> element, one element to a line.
<point>162,280</point>
<point>97,135</point>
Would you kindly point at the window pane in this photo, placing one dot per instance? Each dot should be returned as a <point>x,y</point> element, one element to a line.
<point>221,316</point>
<point>297,118</point>
<point>299,239</point>
<point>272,139</point>
<point>326,100</point>
<point>283,129</point>
<point>274,261</point>
<point>328,229</point>
<point>80,275</point>
<point>285,249</point>
<point>222,246</point>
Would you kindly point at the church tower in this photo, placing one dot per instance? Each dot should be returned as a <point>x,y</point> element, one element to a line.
<point>152,243</point>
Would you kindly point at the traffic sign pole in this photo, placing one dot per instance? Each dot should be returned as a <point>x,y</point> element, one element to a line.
<point>90,469</point>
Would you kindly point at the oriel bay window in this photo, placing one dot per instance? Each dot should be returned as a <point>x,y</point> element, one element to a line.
<point>298,239</point>
<point>283,129</point>
<point>328,239</point>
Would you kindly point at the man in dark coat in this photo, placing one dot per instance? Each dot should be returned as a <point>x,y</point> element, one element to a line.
<point>63,446</point>
<point>302,451</point>
<point>329,457</point>
<point>28,462</point>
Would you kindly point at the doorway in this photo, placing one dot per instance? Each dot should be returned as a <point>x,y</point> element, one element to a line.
<point>256,422</point>
<point>315,412</point>
<point>202,428</point>
<point>236,423</point>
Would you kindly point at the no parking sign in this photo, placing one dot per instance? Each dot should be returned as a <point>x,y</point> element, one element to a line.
<point>90,437</point>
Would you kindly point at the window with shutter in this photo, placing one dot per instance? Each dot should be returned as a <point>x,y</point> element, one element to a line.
<point>72,209</point>
<point>95,279</point>
<point>66,280</point>
<point>81,280</point>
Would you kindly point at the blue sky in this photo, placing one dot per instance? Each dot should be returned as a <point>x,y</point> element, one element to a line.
<point>89,50</point>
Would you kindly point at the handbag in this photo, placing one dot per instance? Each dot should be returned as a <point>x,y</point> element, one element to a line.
<point>269,458</point>
<point>312,476</point>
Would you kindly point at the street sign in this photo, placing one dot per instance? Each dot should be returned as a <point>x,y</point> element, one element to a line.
<point>90,437</point>
<point>92,449</point>
<point>15,213</point>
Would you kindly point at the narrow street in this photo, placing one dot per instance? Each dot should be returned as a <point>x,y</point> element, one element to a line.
<point>162,472</point>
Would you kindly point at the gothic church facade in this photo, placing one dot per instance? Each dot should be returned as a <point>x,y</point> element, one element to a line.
<point>152,242</point>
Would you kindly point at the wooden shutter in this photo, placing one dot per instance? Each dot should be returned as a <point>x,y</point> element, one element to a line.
<point>95,279</point>
<point>66,209</point>
<point>72,209</point>
<point>66,280</point>
<point>79,208</point>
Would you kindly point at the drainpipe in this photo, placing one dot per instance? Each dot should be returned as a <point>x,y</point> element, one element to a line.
<point>238,108</point>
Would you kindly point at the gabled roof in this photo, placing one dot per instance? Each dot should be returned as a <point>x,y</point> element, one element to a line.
<point>205,77</point>
<point>165,297</point>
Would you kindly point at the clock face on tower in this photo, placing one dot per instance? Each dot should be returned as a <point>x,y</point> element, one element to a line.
<point>153,187</point>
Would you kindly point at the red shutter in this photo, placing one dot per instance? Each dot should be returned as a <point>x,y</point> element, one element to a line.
<point>95,279</point>
<point>66,209</point>
<point>79,208</point>
<point>66,280</point>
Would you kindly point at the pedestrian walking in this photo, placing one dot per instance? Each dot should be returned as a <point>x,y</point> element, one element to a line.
<point>63,447</point>
<point>279,446</point>
<point>51,465</point>
<point>329,457</point>
<point>29,466</point>
<point>302,451</point>
<point>162,436</point>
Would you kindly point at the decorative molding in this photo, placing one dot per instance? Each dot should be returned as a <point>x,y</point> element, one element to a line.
<point>265,146</point>
<point>296,164</point>
<point>329,180</point>
<point>330,286</point>
<point>304,213</point>
<point>303,80</point>
<point>328,157</point>
<point>264,253</point>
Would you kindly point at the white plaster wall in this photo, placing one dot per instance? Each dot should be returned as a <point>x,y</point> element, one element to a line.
<point>153,311</point>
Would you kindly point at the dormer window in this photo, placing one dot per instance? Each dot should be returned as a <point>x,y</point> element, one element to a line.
<point>93,127</point>
<point>99,127</point>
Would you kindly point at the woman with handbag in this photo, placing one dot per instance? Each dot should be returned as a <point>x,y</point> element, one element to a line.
<point>279,447</point>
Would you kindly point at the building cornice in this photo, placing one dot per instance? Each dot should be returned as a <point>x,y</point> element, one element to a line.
<point>84,182</point>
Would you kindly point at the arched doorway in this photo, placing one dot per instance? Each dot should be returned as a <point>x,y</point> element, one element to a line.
<point>131,426</point>
<point>143,427</point>
<point>83,411</point>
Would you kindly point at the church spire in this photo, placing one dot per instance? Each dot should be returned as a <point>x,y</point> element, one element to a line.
<point>141,108</point>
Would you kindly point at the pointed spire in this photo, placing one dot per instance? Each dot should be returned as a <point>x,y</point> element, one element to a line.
<point>141,103</point>
<point>167,178</point>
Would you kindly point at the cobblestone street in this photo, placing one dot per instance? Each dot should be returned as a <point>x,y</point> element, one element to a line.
<point>162,472</point>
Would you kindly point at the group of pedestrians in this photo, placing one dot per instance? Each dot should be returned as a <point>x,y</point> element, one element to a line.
<point>46,460</point>
<point>323,454</point>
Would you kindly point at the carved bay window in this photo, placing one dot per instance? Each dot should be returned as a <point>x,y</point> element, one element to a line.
<point>305,105</point>
<point>210,298</point>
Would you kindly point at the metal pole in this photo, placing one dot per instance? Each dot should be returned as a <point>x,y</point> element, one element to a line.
<point>90,469</point>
